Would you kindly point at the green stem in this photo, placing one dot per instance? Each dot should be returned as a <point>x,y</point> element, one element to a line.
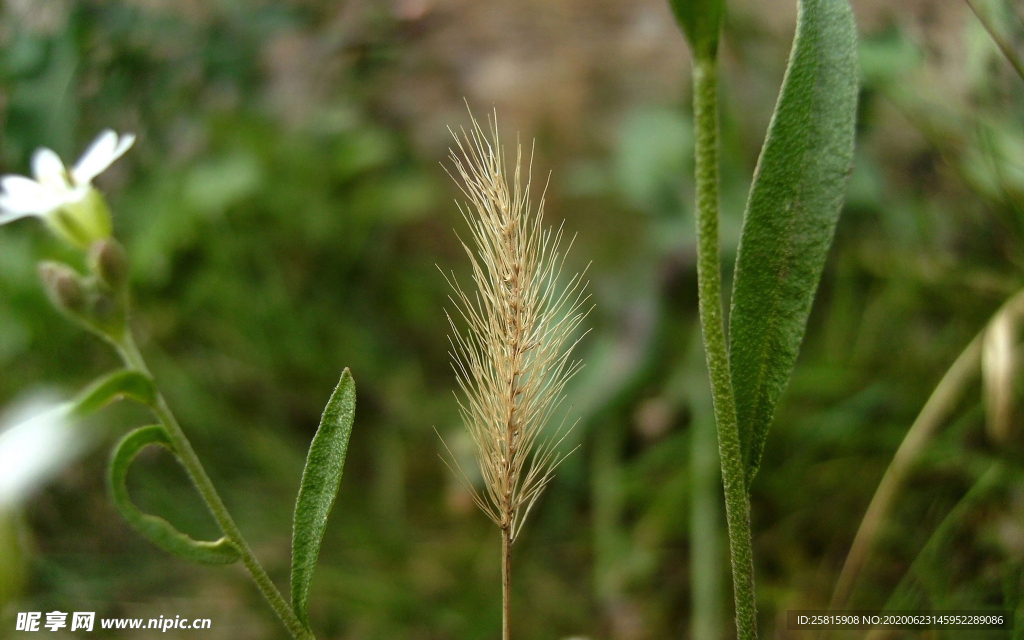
<point>936,410</point>
<point>506,580</point>
<point>942,534</point>
<point>183,449</point>
<point>705,514</point>
<point>709,282</point>
<point>1004,45</point>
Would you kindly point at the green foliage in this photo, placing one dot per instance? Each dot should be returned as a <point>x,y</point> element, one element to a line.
<point>156,529</point>
<point>130,384</point>
<point>320,480</point>
<point>248,305</point>
<point>701,21</point>
<point>791,214</point>
<point>655,150</point>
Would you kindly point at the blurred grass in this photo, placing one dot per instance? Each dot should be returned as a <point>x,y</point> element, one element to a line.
<point>285,211</point>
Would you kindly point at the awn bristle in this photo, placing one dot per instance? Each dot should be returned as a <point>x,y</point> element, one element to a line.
<point>513,360</point>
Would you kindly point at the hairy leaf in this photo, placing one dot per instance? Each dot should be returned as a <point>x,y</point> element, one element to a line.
<point>126,383</point>
<point>791,214</point>
<point>320,480</point>
<point>159,531</point>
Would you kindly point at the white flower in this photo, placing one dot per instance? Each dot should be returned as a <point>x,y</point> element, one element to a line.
<point>66,200</point>
<point>40,442</point>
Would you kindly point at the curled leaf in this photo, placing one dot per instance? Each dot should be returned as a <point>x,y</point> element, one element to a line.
<point>156,529</point>
<point>127,383</point>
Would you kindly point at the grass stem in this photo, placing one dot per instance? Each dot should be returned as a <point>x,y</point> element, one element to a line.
<point>506,580</point>
<point>938,407</point>
<point>1001,41</point>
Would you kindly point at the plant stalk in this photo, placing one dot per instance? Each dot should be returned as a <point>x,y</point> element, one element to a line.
<point>183,449</point>
<point>997,36</point>
<point>506,580</point>
<point>992,477</point>
<point>938,407</point>
<point>709,283</point>
<point>705,512</point>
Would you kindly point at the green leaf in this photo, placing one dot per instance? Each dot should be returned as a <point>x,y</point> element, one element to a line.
<point>791,214</point>
<point>320,480</point>
<point>701,21</point>
<point>159,531</point>
<point>126,383</point>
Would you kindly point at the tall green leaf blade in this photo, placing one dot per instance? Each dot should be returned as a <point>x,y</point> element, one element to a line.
<point>791,214</point>
<point>320,479</point>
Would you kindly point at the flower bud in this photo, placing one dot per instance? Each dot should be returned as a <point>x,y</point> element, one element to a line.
<point>107,313</point>
<point>64,287</point>
<point>109,261</point>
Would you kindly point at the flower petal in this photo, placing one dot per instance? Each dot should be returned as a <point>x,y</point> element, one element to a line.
<point>48,168</point>
<point>22,197</point>
<point>34,450</point>
<point>126,142</point>
<point>18,186</point>
<point>7,215</point>
<point>104,150</point>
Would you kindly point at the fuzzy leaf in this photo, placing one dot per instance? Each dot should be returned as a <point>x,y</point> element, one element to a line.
<point>126,383</point>
<point>791,214</point>
<point>320,480</point>
<point>157,530</point>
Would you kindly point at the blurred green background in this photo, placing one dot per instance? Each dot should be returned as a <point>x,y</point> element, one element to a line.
<point>286,213</point>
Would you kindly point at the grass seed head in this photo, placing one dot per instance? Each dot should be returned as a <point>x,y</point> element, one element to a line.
<point>512,358</point>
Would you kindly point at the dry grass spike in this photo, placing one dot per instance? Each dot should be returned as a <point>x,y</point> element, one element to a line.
<point>513,359</point>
